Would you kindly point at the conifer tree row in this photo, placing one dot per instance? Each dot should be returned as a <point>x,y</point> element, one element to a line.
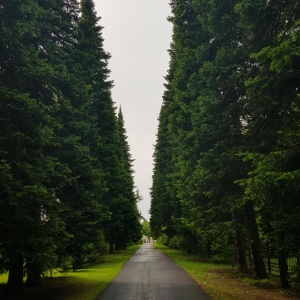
<point>64,158</point>
<point>226,160</point>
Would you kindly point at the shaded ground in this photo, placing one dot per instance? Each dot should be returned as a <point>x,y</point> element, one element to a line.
<point>222,282</point>
<point>232,286</point>
<point>84,284</point>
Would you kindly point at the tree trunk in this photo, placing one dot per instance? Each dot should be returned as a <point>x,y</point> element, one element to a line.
<point>33,274</point>
<point>118,244</point>
<point>208,248</point>
<point>239,247</point>
<point>283,270</point>
<point>255,246</point>
<point>111,244</point>
<point>269,258</point>
<point>15,275</point>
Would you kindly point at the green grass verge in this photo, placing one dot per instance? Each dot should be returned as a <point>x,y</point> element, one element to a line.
<point>222,282</point>
<point>84,284</point>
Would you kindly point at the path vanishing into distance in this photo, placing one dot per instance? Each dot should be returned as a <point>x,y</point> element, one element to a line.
<point>150,275</point>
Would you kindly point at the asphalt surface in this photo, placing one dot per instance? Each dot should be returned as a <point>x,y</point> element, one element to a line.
<point>150,275</point>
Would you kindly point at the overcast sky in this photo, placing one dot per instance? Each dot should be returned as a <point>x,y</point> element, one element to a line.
<point>137,35</point>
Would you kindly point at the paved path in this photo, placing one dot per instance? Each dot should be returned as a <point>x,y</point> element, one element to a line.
<point>150,275</point>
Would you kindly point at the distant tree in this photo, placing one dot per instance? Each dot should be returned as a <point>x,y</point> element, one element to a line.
<point>138,195</point>
<point>162,207</point>
<point>131,224</point>
<point>146,230</point>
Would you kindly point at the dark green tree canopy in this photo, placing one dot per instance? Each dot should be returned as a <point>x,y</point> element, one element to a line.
<point>228,130</point>
<point>66,184</point>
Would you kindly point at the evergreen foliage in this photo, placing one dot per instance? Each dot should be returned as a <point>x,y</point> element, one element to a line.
<point>131,227</point>
<point>146,230</point>
<point>65,167</point>
<point>226,165</point>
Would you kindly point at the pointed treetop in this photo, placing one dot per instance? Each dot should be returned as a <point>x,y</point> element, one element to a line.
<point>88,7</point>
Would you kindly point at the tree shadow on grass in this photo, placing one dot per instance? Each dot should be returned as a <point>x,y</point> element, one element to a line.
<point>51,288</point>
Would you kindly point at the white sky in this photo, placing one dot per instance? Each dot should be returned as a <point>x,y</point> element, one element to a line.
<point>137,35</point>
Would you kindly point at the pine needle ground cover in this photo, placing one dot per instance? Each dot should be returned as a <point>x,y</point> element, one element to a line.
<point>84,284</point>
<point>222,282</point>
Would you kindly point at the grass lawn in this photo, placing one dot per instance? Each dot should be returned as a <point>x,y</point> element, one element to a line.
<point>222,282</point>
<point>83,284</point>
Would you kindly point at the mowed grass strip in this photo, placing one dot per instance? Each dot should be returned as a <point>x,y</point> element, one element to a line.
<point>84,284</point>
<point>222,282</point>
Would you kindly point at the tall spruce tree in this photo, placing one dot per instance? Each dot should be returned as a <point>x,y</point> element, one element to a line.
<point>92,68</point>
<point>162,208</point>
<point>89,137</point>
<point>131,227</point>
<point>218,86</point>
<point>94,60</point>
